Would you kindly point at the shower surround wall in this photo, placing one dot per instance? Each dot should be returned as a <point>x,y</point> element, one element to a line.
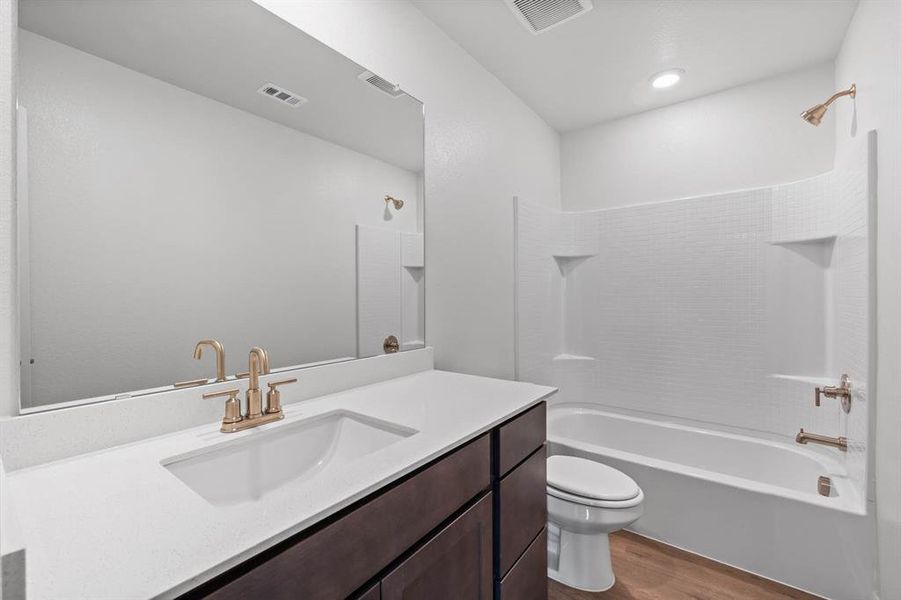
<point>722,311</point>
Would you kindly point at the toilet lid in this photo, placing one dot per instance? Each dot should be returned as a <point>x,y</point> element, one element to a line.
<point>589,479</point>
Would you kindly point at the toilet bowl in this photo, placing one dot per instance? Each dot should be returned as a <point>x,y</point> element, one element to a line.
<point>586,501</point>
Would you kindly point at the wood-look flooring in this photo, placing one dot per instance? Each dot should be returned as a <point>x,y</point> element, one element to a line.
<point>649,570</point>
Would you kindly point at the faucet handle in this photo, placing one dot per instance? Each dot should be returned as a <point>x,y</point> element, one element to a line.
<point>273,396</point>
<point>232,408</point>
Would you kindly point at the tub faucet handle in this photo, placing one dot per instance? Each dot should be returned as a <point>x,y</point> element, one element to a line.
<point>842,390</point>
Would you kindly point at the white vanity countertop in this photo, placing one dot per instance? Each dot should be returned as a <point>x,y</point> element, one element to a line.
<point>117,524</point>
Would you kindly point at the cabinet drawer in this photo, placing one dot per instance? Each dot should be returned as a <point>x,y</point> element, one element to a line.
<point>454,565</point>
<point>339,558</point>
<point>521,437</point>
<point>527,580</point>
<point>522,508</point>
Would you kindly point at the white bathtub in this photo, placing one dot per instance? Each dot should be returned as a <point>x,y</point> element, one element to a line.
<point>739,500</point>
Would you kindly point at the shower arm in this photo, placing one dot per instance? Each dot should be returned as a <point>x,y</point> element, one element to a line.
<point>851,91</point>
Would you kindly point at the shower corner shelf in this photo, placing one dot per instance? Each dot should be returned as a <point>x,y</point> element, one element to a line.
<point>807,379</point>
<point>573,358</point>
<point>568,262</point>
<point>819,238</point>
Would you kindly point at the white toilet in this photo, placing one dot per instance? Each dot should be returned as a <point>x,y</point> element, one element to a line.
<point>586,501</point>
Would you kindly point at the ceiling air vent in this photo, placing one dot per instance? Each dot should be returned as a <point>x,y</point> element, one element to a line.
<point>540,15</point>
<point>383,84</point>
<point>282,95</point>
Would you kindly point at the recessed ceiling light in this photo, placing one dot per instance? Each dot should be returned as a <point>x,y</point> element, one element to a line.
<point>667,78</point>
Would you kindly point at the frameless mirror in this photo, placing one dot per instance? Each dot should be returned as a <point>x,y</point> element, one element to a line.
<point>196,169</point>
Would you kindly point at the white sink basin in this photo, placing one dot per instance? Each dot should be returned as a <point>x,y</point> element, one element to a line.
<point>245,470</point>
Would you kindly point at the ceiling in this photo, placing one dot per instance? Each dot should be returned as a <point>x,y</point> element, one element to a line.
<point>227,51</point>
<point>597,66</point>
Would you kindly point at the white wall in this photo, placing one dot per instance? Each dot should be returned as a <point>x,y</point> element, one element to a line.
<point>9,335</point>
<point>150,204</point>
<point>871,57</point>
<point>746,137</point>
<point>483,146</point>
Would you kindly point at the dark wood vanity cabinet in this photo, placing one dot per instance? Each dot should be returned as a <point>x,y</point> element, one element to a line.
<point>469,525</point>
<point>454,564</point>
<point>519,481</point>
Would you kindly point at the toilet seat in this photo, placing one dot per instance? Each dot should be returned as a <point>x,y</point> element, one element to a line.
<point>590,483</point>
<point>632,502</point>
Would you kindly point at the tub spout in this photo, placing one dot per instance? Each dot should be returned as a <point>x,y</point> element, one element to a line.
<point>836,442</point>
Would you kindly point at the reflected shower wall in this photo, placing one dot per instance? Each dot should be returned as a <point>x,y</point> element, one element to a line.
<point>724,311</point>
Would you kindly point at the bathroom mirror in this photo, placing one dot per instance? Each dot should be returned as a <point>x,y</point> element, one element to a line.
<point>198,169</point>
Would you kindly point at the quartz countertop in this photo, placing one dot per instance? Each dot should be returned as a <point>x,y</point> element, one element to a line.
<point>117,524</point>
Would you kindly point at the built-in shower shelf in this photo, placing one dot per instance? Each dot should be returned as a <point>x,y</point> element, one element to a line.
<point>813,239</point>
<point>808,379</point>
<point>567,263</point>
<point>573,358</point>
<point>573,254</point>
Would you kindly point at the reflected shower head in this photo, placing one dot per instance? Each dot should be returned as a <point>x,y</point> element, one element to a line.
<point>814,115</point>
<point>397,202</point>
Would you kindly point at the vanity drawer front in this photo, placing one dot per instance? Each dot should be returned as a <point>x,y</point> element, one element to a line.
<point>336,560</point>
<point>527,580</point>
<point>453,565</point>
<point>520,437</point>
<point>522,508</point>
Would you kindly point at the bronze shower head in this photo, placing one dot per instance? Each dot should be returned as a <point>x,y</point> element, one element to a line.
<point>397,202</point>
<point>814,115</point>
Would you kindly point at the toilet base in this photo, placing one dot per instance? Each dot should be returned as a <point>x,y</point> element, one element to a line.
<point>580,560</point>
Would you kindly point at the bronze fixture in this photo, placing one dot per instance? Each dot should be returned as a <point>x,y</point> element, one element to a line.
<point>220,356</point>
<point>391,345</point>
<point>842,390</point>
<point>192,383</point>
<point>398,203</point>
<point>274,397</point>
<point>836,442</point>
<point>814,115</point>
<point>232,417</point>
<point>824,485</point>
<point>258,364</point>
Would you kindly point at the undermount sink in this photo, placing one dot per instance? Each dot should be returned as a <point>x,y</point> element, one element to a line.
<point>245,470</point>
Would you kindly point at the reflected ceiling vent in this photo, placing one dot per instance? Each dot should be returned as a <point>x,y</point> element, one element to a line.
<point>540,15</point>
<point>383,84</point>
<point>282,95</point>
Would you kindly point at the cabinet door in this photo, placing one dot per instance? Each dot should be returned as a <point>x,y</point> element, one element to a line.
<point>527,580</point>
<point>522,500</point>
<point>454,565</point>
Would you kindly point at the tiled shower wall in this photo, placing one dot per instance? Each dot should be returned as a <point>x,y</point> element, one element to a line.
<point>725,310</point>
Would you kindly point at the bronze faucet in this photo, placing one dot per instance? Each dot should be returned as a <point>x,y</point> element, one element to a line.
<point>220,356</point>
<point>258,364</point>
<point>842,391</point>
<point>836,442</point>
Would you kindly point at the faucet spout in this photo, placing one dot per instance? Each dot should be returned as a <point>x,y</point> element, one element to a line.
<point>836,442</point>
<point>220,356</point>
<point>258,364</point>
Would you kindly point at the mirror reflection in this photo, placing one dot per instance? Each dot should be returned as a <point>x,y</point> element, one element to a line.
<point>201,170</point>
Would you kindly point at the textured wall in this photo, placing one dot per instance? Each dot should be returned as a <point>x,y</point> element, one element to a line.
<point>726,310</point>
<point>745,137</point>
<point>871,58</point>
<point>483,146</point>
